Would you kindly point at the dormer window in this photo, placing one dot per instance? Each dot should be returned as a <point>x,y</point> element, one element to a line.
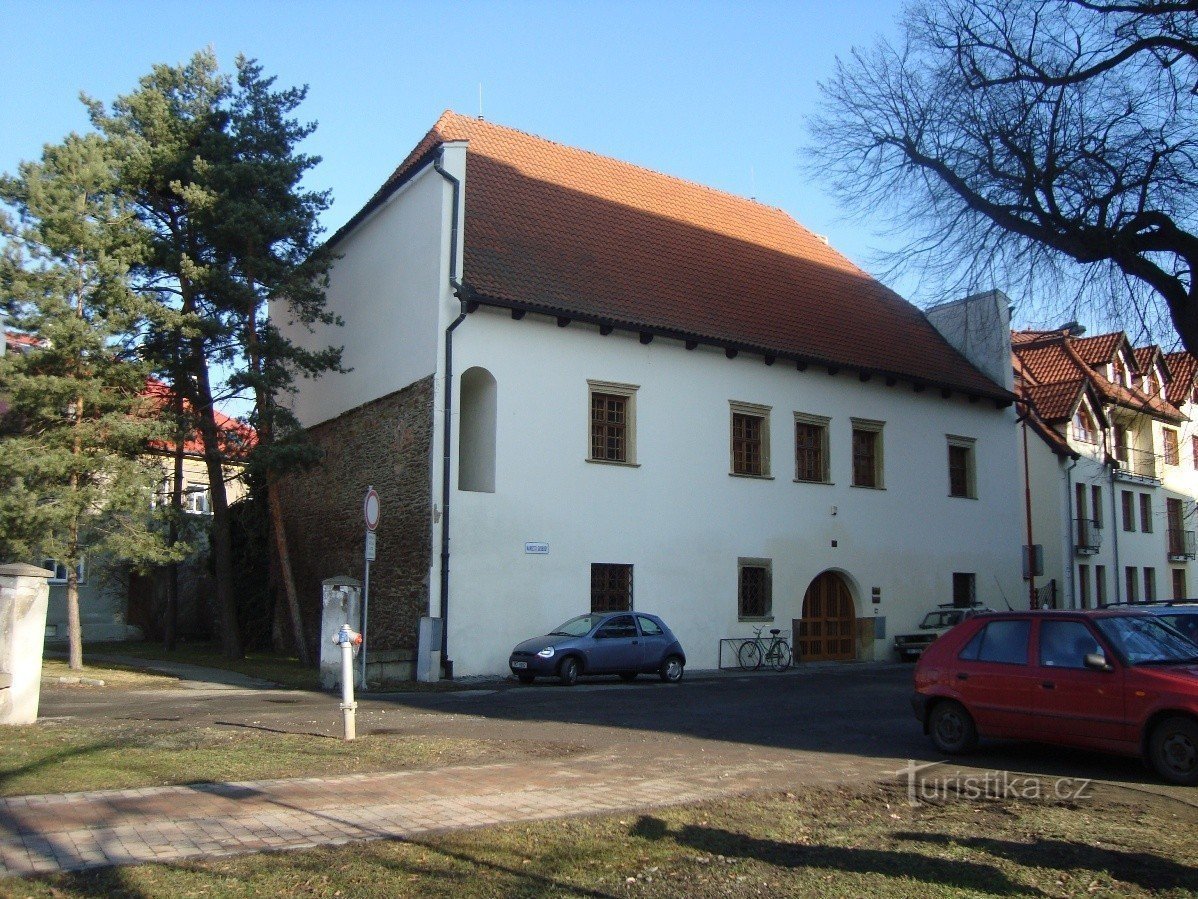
<point>1083,426</point>
<point>1119,372</point>
<point>1152,386</point>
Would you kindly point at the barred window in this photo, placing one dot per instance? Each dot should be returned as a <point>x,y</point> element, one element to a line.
<point>754,599</point>
<point>611,587</point>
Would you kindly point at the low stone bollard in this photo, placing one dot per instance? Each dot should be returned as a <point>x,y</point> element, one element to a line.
<point>24,592</point>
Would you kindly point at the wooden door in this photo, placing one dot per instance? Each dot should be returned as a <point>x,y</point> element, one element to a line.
<point>827,630</point>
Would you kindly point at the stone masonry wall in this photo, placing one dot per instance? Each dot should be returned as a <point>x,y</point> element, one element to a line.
<point>387,443</point>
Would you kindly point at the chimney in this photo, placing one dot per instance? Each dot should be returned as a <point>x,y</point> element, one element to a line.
<point>979,328</point>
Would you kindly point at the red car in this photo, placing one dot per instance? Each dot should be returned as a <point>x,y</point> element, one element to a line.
<point>1115,680</point>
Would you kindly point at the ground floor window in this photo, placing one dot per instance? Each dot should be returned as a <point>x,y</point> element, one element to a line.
<point>1083,586</point>
<point>1100,585</point>
<point>1133,584</point>
<point>1179,583</point>
<point>611,587</point>
<point>754,590</point>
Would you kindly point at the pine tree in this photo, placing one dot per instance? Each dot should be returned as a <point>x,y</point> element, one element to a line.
<point>76,478</point>
<point>213,174</point>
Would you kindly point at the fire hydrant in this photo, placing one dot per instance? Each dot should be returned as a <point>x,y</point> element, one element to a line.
<point>349,640</point>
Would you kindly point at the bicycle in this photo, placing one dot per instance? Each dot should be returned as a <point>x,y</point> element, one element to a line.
<point>754,652</point>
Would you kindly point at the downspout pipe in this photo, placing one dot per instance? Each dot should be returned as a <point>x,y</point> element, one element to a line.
<point>1116,526</point>
<point>1069,544</point>
<point>447,419</point>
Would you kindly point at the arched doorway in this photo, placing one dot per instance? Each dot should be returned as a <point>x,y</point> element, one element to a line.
<point>827,630</point>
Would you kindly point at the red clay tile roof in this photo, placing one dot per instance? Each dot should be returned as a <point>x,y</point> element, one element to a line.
<point>1056,402</point>
<point>1052,357</point>
<point>239,438</point>
<point>554,229</point>
<point>1182,367</point>
<point>1098,349</point>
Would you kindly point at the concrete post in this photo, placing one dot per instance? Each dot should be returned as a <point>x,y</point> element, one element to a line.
<point>342,604</point>
<point>24,592</point>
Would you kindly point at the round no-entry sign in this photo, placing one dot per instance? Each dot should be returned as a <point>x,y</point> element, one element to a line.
<point>370,509</point>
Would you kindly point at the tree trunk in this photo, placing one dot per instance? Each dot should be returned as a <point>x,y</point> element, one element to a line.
<point>170,623</point>
<point>74,628</point>
<point>293,608</point>
<point>222,547</point>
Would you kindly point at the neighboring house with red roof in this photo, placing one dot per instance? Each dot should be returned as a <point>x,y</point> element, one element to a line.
<point>1111,466</point>
<point>578,384</point>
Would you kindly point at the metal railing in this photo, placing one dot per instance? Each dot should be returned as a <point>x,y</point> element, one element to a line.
<point>1181,545</point>
<point>1087,535</point>
<point>1137,464</point>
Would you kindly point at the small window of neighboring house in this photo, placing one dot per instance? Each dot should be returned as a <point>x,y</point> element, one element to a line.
<point>961,467</point>
<point>1146,513</point>
<point>867,453</point>
<point>811,448</point>
<point>754,589</point>
<point>750,440</point>
<point>1129,510</point>
<point>1096,503</point>
<point>613,422</point>
<point>1132,582</point>
<point>1119,372</point>
<point>1194,449</point>
<point>1083,426</point>
<point>965,589</point>
<point>197,500</point>
<point>1172,456</point>
<point>60,571</point>
<point>611,587</point>
<point>1151,385</point>
<point>1149,584</point>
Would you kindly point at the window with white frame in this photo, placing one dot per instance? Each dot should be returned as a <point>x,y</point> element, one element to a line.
<point>60,571</point>
<point>197,499</point>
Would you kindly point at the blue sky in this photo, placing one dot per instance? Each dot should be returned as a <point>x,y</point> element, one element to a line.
<point>715,92</point>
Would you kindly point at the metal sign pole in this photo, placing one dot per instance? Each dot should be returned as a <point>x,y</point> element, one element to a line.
<point>370,511</point>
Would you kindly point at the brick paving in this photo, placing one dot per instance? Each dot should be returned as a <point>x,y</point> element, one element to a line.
<point>73,831</point>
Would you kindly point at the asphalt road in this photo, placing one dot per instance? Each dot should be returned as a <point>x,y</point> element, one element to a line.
<point>835,718</point>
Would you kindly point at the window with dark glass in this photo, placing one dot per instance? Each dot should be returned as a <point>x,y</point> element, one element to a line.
<point>1129,510</point>
<point>811,449</point>
<point>1146,513</point>
<point>965,589</point>
<point>867,453</point>
<point>1065,644</point>
<point>746,443</point>
<point>609,427</point>
<point>754,599</point>
<point>1172,457</point>
<point>961,467</point>
<point>611,587</point>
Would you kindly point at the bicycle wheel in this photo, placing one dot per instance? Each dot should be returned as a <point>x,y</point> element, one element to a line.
<point>780,656</point>
<point>749,655</point>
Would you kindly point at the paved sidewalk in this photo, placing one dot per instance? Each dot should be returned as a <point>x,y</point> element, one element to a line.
<point>72,831</point>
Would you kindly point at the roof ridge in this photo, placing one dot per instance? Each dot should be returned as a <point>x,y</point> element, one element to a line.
<point>449,114</point>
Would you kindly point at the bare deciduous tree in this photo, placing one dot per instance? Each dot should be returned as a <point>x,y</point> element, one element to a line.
<point>1050,146</point>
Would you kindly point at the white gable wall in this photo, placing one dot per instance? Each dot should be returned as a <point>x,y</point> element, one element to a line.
<point>385,286</point>
<point>682,521</point>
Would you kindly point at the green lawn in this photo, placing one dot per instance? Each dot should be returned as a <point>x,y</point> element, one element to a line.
<point>850,842</point>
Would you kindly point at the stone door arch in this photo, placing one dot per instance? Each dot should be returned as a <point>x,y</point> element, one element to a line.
<point>828,629</point>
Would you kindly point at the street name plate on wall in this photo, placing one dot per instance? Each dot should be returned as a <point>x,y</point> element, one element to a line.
<point>536,549</point>
<point>370,544</point>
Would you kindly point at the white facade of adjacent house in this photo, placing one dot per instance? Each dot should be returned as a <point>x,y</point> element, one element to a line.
<point>1112,495</point>
<point>532,509</point>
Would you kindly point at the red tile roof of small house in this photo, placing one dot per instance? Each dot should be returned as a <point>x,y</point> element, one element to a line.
<point>570,233</point>
<point>237,440</point>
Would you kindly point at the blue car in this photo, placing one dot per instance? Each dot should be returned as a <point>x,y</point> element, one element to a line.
<point>623,643</point>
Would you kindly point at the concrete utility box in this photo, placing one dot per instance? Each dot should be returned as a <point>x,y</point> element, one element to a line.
<point>342,597</point>
<point>428,650</point>
<point>24,593</point>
